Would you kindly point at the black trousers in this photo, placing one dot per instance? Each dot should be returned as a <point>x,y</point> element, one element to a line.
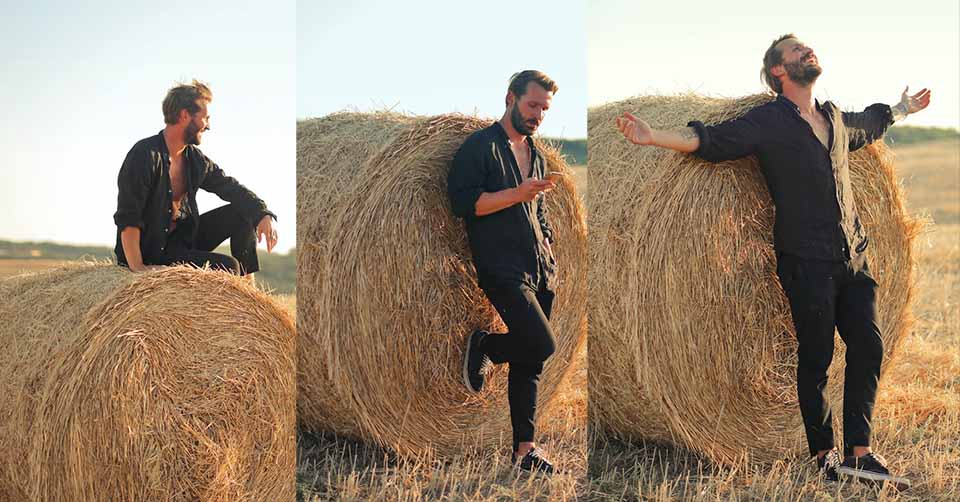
<point>216,226</point>
<point>525,347</point>
<point>824,295</point>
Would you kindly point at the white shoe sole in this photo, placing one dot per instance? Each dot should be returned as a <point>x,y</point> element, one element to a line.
<point>899,483</point>
<point>466,365</point>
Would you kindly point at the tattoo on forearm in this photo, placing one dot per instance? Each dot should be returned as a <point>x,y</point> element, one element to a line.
<point>688,133</point>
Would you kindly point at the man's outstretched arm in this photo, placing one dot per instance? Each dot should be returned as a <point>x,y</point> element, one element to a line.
<point>729,140</point>
<point>870,125</point>
<point>639,132</point>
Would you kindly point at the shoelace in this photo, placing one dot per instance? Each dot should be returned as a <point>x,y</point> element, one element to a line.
<point>877,458</point>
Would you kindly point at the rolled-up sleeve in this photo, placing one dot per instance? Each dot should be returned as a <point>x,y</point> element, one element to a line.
<point>867,126</point>
<point>729,140</point>
<point>465,181</point>
<point>230,190</point>
<point>134,183</point>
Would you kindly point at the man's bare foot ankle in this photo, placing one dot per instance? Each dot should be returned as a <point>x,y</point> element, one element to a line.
<point>523,449</point>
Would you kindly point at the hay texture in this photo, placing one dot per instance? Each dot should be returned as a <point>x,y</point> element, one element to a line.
<point>387,292</point>
<point>691,335</point>
<point>173,385</point>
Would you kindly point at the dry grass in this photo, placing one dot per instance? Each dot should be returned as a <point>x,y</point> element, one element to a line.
<point>331,468</point>
<point>387,292</point>
<point>10,267</point>
<point>171,385</point>
<point>917,419</point>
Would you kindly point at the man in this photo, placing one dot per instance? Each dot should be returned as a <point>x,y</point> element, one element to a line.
<point>802,147</point>
<point>496,183</point>
<point>157,219</point>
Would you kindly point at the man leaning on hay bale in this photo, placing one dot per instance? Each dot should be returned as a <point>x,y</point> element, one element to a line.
<point>497,183</point>
<point>802,146</point>
<point>158,222</point>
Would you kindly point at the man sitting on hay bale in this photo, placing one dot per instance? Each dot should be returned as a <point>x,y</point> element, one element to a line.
<point>157,219</point>
<point>496,183</point>
<point>802,145</point>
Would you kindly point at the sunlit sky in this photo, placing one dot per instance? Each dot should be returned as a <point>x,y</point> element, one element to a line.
<point>869,50</point>
<point>83,81</point>
<point>431,56</point>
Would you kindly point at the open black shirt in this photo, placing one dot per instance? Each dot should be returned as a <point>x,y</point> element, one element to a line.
<point>145,198</point>
<point>816,216</point>
<point>508,245</point>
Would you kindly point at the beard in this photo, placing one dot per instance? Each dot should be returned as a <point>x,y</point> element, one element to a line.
<point>191,135</point>
<point>803,74</point>
<point>524,127</point>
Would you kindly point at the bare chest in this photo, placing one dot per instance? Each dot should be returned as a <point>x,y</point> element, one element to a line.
<point>178,178</point>
<point>821,128</point>
<point>521,152</point>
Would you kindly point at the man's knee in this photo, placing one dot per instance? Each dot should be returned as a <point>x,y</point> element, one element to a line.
<point>545,346</point>
<point>227,264</point>
<point>869,350</point>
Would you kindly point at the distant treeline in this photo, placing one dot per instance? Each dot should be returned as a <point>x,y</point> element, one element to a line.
<point>278,271</point>
<point>906,135</point>
<point>574,150</point>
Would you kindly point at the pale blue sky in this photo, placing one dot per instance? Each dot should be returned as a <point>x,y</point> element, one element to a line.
<point>430,56</point>
<point>869,49</point>
<point>82,82</point>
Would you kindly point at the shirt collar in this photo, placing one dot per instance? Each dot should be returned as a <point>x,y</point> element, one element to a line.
<point>506,139</point>
<point>793,106</point>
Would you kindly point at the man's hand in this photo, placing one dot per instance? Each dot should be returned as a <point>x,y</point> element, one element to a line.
<point>529,189</point>
<point>265,228</point>
<point>911,104</point>
<point>634,129</point>
<point>917,102</point>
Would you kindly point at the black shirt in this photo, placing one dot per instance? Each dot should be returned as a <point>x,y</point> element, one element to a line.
<point>508,245</point>
<point>145,198</point>
<point>816,216</point>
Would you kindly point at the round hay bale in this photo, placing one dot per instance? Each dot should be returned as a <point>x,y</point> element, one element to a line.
<point>171,385</point>
<point>387,292</point>
<point>692,340</point>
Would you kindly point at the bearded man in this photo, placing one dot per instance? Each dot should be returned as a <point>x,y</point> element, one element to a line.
<point>802,145</point>
<point>496,183</point>
<point>158,221</point>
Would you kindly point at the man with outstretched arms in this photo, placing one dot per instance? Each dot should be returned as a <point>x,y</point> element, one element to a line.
<point>802,146</point>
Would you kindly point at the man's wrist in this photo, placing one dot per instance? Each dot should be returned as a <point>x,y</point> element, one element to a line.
<point>900,111</point>
<point>513,195</point>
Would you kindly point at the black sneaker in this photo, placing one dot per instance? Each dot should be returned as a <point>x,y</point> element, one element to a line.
<point>871,468</point>
<point>828,465</point>
<point>474,361</point>
<point>534,462</point>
